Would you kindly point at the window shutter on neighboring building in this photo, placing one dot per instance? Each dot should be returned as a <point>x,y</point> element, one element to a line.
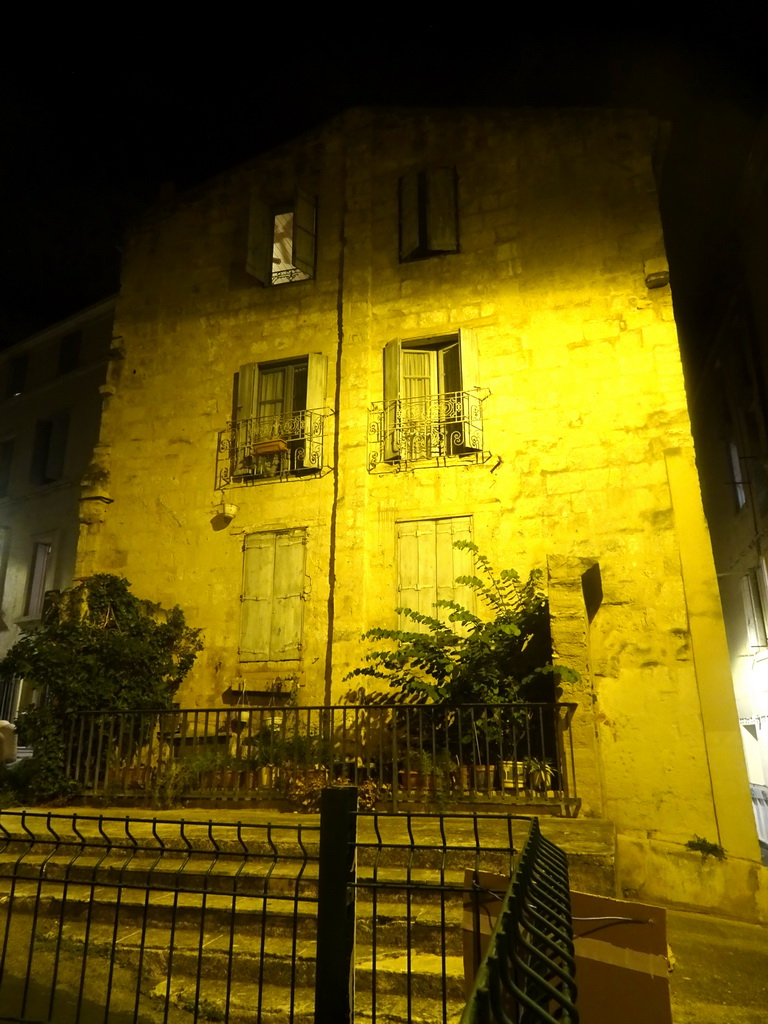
<point>272,600</point>
<point>441,210</point>
<point>258,261</point>
<point>304,234</point>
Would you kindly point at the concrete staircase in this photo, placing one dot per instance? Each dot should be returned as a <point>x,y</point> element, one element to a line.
<point>186,924</point>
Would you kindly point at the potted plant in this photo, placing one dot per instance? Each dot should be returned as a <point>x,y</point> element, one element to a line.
<point>540,773</point>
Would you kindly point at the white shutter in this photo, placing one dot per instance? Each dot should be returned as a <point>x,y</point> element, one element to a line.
<point>304,234</point>
<point>441,210</point>
<point>247,403</point>
<point>317,376</point>
<point>409,215</point>
<point>258,260</point>
<point>470,383</point>
<point>257,597</point>
<point>416,569</point>
<point>428,564</point>
<point>288,603</point>
<point>391,400</point>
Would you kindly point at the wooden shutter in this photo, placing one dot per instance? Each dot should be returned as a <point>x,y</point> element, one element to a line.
<point>409,215</point>
<point>416,570</point>
<point>246,408</point>
<point>273,596</point>
<point>258,261</point>
<point>442,235</point>
<point>288,601</point>
<point>57,447</point>
<point>470,383</point>
<point>256,609</point>
<point>428,565</point>
<point>317,375</point>
<point>391,400</point>
<point>304,234</point>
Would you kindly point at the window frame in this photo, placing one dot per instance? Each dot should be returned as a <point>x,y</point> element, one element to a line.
<point>287,453</point>
<point>428,213</point>
<point>263,242</point>
<point>39,575</point>
<point>468,374</point>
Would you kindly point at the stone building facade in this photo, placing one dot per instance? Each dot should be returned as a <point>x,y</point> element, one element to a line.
<point>403,329</point>
<point>50,408</point>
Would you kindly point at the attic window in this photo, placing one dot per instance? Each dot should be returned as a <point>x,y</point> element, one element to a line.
<point>281,242</point>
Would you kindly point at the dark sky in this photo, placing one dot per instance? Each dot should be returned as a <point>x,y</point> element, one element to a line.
<point>88,135</point>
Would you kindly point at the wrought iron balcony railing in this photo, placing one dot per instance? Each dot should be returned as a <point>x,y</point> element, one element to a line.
<point>271,447</point>
<point>431,427</point>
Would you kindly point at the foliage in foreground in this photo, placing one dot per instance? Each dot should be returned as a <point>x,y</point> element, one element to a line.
<point>468,659</point>
<point>99,647</point>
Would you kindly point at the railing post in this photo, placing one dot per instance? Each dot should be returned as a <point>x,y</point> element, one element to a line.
<point>335,959</point>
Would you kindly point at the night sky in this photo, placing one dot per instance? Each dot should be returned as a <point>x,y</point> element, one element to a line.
<point>90,133</point>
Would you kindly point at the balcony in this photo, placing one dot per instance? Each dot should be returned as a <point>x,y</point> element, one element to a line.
<point>270,448</point>
<point>431,429</point>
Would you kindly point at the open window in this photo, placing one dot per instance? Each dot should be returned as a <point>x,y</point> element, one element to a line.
<point>431,403</point>
<point>428,214</point>
<point>281,240</point>
<point>754,592</point>
<point>279,424</point>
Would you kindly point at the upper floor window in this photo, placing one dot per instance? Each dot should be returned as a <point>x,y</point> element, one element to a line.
<point>16,380</point>
<point>432,404</point>
<point>428,214</point>
<point>278,426</point>
<point>38,578</point>
<point>49,449</point>
<point>281,241</point>
<point>69,352</point>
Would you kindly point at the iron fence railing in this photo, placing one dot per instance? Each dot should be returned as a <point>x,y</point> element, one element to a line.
<point>357,914</point>
<point>528,972</point>
<point>271,447</point>
<point>399,755</point>
<point>429,427</point>
<point>131,920</point>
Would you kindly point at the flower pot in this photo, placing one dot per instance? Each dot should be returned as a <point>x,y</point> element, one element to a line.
<point>512,774</point>
<point>484,777</point>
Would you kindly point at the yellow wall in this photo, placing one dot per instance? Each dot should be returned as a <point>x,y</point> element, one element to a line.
<point>557,221</point>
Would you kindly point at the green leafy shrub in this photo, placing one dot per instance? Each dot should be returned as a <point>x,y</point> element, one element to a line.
<point>98,648</point>
<point>468,659</point>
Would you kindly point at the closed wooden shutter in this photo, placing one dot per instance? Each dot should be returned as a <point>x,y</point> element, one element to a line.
<point>428,565</point>
<point>409,216</point>
<point>391,400</point>
<point>258,260</point>
<point>272,598</point>
<point>442,235</point>
<point>304,234</point>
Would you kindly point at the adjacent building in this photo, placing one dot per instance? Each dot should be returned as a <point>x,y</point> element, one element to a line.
<point>50,408</point>
<point>409,328</point>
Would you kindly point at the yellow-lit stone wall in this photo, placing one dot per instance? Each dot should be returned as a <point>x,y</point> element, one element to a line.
<point>558,227</point>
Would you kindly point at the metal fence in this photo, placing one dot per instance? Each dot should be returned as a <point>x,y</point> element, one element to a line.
<point>528,973</point>
<point>115,919</point>
<point>360,914</point>
<point>400,755</point>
